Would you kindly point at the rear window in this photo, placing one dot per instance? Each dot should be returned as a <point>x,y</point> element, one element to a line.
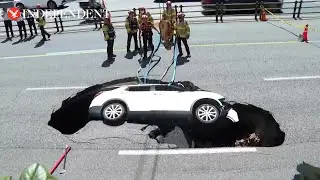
<point>109,88</point>
<point>139,88</point>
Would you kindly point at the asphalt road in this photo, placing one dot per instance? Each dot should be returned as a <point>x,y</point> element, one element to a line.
<point>232,59</point>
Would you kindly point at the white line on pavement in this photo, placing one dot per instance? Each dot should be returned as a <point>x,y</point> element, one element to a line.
<point>185,151</point>
<point>291,78</point>
<point>55,88</point>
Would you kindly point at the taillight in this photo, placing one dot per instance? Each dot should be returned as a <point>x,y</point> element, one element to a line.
<point>98,94</point>
<point>206,1</point>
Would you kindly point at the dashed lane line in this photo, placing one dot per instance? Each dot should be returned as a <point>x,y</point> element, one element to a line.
<point>185,151</point>
<point>291,78</point>
<point>95,51</point>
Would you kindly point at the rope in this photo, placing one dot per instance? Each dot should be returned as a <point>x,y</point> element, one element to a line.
<point>290,23</point>
<point>151,61</point>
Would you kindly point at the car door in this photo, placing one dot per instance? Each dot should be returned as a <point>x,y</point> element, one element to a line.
<point>139,99</point>
<point>167,98</point>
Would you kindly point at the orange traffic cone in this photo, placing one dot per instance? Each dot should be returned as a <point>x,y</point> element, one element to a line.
<point>263,16</point>
<point>305,34</point>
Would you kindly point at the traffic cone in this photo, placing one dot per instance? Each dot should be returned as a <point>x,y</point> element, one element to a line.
<point>263,16</point>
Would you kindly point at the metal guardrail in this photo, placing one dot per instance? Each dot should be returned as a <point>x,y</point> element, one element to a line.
<point>217,12</point>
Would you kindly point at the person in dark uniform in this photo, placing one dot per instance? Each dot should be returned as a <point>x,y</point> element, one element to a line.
<point>7,23</point>
<point>109,36</point>
<point>22,26</point>
<point>132,30</point>
<point>31,23</point>
<point>145,30</point>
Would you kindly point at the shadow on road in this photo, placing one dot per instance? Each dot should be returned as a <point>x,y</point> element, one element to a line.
<point>182,60</point>
<point>17,42</point>
<point>307,171</point>
<point>256,127</point>
<point>6,40</point>
<point>108,62</point>
<point>40,43</point>
<point>29,38</point>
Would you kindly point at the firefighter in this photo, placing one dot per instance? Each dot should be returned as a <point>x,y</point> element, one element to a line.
<point>145,30</point>
<point>182,33</point>
<point>169,13</point>
<point>109,36</point>
<point>7,23</point>
<point>31,23</point>
<point>132,27</point>
<point>142,11</point>
<point>22,26</point>
<point>41,23</point>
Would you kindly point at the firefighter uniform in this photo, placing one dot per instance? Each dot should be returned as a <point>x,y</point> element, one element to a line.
<point>7,23</point>
<point>169,13</point>
<point>109,36</point>
<point>132,27</point>
<point>146,32</point>
<point>142,11</point>
<point>31,23</point>
<point>183,33</point>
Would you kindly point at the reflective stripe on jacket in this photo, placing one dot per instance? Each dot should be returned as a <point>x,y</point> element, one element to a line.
<point>150,18</point>
<point>108,32</point>
<point>132,25</point>
<point>169,15</point>
<point>183,29</point>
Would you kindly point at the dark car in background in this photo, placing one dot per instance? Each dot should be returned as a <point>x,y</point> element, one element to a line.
<point>6,3</point>
<point>239,6</point>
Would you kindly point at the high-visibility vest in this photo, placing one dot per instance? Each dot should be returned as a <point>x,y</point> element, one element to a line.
<point>169,14</point>
<point>150,18</point>
<point>108,32</point>
<point>182,29</point>
<point>132,25</point>
<point>42,21</point>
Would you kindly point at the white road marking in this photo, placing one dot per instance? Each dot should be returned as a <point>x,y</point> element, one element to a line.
<point>291,78</point>
<point>55,88</point>
<point>185,151</point>
<point>97,51</point>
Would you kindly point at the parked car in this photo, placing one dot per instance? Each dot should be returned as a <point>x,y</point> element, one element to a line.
<point>117,104</point>
<point>6,3</point>
<point>237,5</point>
<point>47,4</point>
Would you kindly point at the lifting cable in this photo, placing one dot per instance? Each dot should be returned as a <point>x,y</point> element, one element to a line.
<point>151,57</point>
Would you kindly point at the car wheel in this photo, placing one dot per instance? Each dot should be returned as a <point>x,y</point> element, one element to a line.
<point>114,113</point>
<point>20,6</point>
<point>52,5</point>
<point>207,113</point>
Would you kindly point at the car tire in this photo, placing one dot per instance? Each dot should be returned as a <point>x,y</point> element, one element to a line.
<point>52,5</point>
<point>211,112</point>
<point>20,5</point>
<point>116,119</point>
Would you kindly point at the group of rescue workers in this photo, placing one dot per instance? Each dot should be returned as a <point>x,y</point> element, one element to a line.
<point>22,25</point>
<point>143,25</point>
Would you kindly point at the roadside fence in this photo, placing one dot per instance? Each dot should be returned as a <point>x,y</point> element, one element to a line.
<point>194,14</point>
